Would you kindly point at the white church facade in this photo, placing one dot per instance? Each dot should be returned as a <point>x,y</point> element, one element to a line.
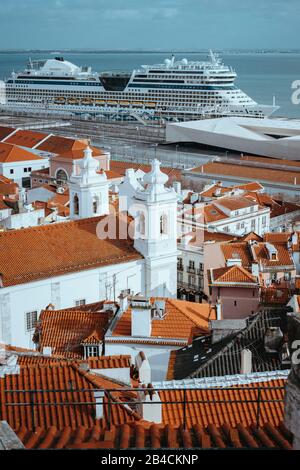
<point>66,264</point>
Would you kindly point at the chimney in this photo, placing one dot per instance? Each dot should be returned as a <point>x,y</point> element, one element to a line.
<point>140,316</point>
<point>150,405</point>
<point>234,262</point>
<point>177,187</point>
<point>246,361</point>
<point>47,351</point>
<point>221,329</point>
<point>109,305</point>
<point>219,310</point>
<point>99,398</point>
<point>143,367</point>
<point>123,300</point>
<point>254,269</point>
<point>273,339</point>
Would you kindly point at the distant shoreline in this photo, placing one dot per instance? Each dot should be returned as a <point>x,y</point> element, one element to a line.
<point>155,51</point>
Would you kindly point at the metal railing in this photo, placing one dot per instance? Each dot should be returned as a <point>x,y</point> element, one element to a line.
<point>137,401</point>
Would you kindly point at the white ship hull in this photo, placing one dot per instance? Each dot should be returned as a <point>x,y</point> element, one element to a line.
<point>175,91</point>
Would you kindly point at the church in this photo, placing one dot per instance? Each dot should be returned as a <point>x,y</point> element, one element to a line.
<point>73,263</point>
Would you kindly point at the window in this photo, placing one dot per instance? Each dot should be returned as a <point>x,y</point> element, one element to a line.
<point>252,209</point>
<point>76,204</point>
<point>11,171</point>
<point>264,221</point>
<point>179,277</point>
<point>31,319</point>
<point>236,213</point>
<point>61,175</point>
<point>92,351</point>
<point>142,223</point>
<point>253,224</point>
<point>163,224</point>
<point>25,170</point>
<point>192,264</point>
<point>235,303</point>
<point>80,302</point>
<point>96,203</point>
<point>191,281</point>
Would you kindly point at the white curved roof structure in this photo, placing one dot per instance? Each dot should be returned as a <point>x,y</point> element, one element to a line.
<point>277,138</point>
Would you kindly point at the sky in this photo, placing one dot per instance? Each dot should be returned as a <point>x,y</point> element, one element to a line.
<point>149,25</point>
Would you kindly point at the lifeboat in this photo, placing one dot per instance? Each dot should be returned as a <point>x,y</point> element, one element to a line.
<point>150,105</point>
<point>60,100</point>
<point>73,100</point>
<point>112,103</point>
<point>137,104</point>
<point>86,101</point>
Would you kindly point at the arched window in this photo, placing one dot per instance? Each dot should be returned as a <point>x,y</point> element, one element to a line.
<point>61,176</point>
<point>96,203</point>
<point>163,224</point>
<point>142,223</point>
<point>76,204</point>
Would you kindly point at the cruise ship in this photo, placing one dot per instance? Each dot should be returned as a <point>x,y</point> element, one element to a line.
<point>176,90</point>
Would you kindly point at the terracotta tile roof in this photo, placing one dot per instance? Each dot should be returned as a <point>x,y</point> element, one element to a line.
<point>3,206</point>
<point>235,202</point>
<point>239,411</point>
<point>26,138</point>
<point>58,387</point>
<point>249,172</point>
<point>212,213</point>
<point>120,167</point>
<point>251,236</point>
<point>58,144</point>
<point>109,362</point>
<point>12,153</point>
<point>4,180</point>
<point>58,249</point>
<point>181,316</point>
<point>277,237</point>
<point>270,161</point>
<point>200,236</point>
<point>283,208</point>
<point>222,190</point>
<point>94,338</point>
<point>78,153</point>
<point>65,330</point>
<point>110,174</point>
<point>284,257</point>
<point>238,250</point>
<point>137,435</point>
<point>5,131</point>
<point>43,171</point>
<point>40,360</point>
<point>252,186</point>
<point>8,189</point>
<point>232,275</point>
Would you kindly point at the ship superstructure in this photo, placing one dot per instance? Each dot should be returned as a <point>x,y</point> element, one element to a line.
<point>174,90</point>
